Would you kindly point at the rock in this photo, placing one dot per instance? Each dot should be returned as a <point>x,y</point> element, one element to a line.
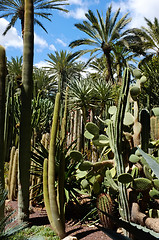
<point>70,238</point>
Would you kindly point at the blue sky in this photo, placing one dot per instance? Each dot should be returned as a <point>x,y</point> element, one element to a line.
<point>61,31</point>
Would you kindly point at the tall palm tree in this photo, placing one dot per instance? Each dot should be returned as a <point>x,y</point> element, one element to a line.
<point>144,38</point>
<point>15,10</point>
<point>104,35</point>
<point>25,118</point>
<point>63,67</point>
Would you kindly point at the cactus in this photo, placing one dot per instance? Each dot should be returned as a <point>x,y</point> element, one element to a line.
<point>145,131</point>
<point>133,158</point>
<point>104,203</point>
<point>118,134</point>
<point>76,155</point>
<point>125,178</point>
<point>134,92</point>
<point>52,205</point>
<point>136,73</point>
<point>142,184</point>
<point>2,120</point>
<point>154,193</point>
<point>92,128</point>
<point>13,179</point>
<point>85,165</point>
<point>155,110</point>
<point>154,127</point>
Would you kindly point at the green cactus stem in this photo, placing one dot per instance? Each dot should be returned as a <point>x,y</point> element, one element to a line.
<point>2,120</point>
<point>118,131</point>
<point>46,194</point>
<point>59,227</point>
<point>104,203</point>
<point>145,130</point>
<point>13,180</point>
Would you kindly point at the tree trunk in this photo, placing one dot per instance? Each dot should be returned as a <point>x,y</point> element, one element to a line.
<point>25,124</point>
<point>2,119</point>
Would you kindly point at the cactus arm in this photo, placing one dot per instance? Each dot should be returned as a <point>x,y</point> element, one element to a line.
<point>51,170</point>
<point>61,179</point>
<point>123,202</point>
<point>46,194</point>
<point>2,119</point>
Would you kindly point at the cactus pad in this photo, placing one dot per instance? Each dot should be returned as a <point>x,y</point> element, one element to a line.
<point>92,128</point>
<point>133,158</point>
<point>76,155</point>
<point>112,110</point>
<point>134,92</point>
<point>88,135</point>
<point>125,178</point>
<point>142,184</point>
<point>128,119</point>
<point>143,79</point>
<point>156,183</point>
<point>154,193</point>
<point>85,166</point>
<point>84,183</point>
<point>137,73</point>
<point>96,187</point>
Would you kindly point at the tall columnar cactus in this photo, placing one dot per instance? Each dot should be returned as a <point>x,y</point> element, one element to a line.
<point>25,121</point>
<point>2,119</point>
<point>118,134</point>
<point>50,196</point>
<point>145,131</point>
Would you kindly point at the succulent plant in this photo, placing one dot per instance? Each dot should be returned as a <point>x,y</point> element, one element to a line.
<point>104,203</point>
<point>137,73</point>
<point>142,184</point>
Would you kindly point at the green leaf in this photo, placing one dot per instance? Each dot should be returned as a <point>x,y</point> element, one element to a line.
<point>151,162</point>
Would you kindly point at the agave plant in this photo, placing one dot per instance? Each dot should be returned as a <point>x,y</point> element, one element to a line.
<point>8,225</point>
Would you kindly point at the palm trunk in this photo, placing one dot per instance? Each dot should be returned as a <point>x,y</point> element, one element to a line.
<point>106,49</point>
<point>2,119</point>
<point>25,124</point>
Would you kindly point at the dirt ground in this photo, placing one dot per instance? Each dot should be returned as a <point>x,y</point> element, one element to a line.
<point>38,217</point>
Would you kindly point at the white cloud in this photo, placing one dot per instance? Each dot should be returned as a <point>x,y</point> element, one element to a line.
<point>76,2</point>
<point>41,64</point>
<point>40,42</point>
<point>11,39</point>
<point>78,13</point>
<point>52,47</point>
<point>61,42</point>
<point>139,9</point>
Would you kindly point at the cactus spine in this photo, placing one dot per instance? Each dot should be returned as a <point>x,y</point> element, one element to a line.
<point>2,119</point>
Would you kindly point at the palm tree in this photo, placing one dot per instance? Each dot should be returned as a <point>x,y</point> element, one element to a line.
<point>144,38</point>
<point>25,118</point>
<point>63,67</point>
<point>14,68</point>
<point>104,35</point>
<point>15,10</point>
